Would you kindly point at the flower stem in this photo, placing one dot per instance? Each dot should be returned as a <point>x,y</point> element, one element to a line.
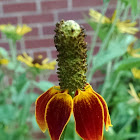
<point>12,45</point>
<point>94,38</point>
<point>108,72</point>
<point>63,134</point>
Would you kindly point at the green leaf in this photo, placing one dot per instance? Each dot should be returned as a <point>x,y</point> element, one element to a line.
<point>127,64</point>
<point>25,110</point>
<point>106,1</point>
<point>43,85</point>
<point>7,113</point>
<point>34,124</point>
<point>116,48</point>
<point>104,29</point>
<point>3,52</point>
<point>134,6</point>
<point>33,97</point>
<point>23,91</point>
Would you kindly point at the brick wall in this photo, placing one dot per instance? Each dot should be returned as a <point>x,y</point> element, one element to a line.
<point>42,16</point>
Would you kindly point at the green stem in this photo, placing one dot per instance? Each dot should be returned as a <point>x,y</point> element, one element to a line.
<point>63,134</point>
<point>126,13</point>
<point>108,72</point>
<point>92,71</point>
<point>12,44</point>
<point>94,38</point>
<point>138,122</point>
<point>104,44</point>
<point>106,40</point>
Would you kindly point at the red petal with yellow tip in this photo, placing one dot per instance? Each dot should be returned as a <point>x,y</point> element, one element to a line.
<point>107,119</point>
<point>41,103</point>
<point>58,113</point>
<point>88,113</point>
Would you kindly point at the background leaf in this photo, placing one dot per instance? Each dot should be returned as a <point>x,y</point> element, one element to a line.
<point>116,48</point>
<point>43,85</point>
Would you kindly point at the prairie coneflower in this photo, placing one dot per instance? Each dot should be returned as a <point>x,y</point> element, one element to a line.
<point>73,95</point>
<point>37,62</point>
<point>15,32</point>
<point>123,26</point>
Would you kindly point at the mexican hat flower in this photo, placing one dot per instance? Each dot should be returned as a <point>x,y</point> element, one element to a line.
<point>15,32</point>
<point>123,26</point>
<point>73,95</point>
<point>37,62</point>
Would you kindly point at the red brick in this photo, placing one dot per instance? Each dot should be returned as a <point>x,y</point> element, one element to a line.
<point>54,54</point>
<point>98,74</point>
<point>113,2</point>
<point>138,34</point>
<point>0,35</point>
<point>53,78</point>
<point>37,43</point>
<point>10,20</point>
<point>48,30</point>
<point>52,5</point>
<point>34,32</point>
<point>87,27</point>
<point>44,54</point>
<point>18,44</point>
<point>19,7</point>
<point>37,18</point>
<point>96,50</point>
<point>84,3</point>
<point>72,15</point>
<point>109,12</point>
<point>4,45</point>
<point>88,39</point>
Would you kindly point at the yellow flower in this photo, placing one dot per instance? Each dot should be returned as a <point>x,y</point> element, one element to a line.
<point>133,52</point>
<point>133,93</point>
<point>136,73</point>
<point>14,32</point>
<point>21,30</point>
<point>37,62</point>
<point>4,61</point>
<point>123,26</point>
<point>7,28</point>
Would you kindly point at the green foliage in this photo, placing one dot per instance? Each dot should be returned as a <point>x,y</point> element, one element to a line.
<point>43,85</point>
<point>17,96</point>
<point>116,62</point>
<point>116,48</point>
<point>17,119</point>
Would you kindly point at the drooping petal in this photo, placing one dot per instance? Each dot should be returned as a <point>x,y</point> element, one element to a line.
<point>107,119</point>
<point>89,116</point>
<point>41,103</point>
<point>58,113</point>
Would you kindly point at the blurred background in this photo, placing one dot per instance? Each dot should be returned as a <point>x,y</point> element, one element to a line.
<point>28,66</point>
<point>41,16</point>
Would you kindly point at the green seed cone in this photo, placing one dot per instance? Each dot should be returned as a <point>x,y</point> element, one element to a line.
<point>72,66</point>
